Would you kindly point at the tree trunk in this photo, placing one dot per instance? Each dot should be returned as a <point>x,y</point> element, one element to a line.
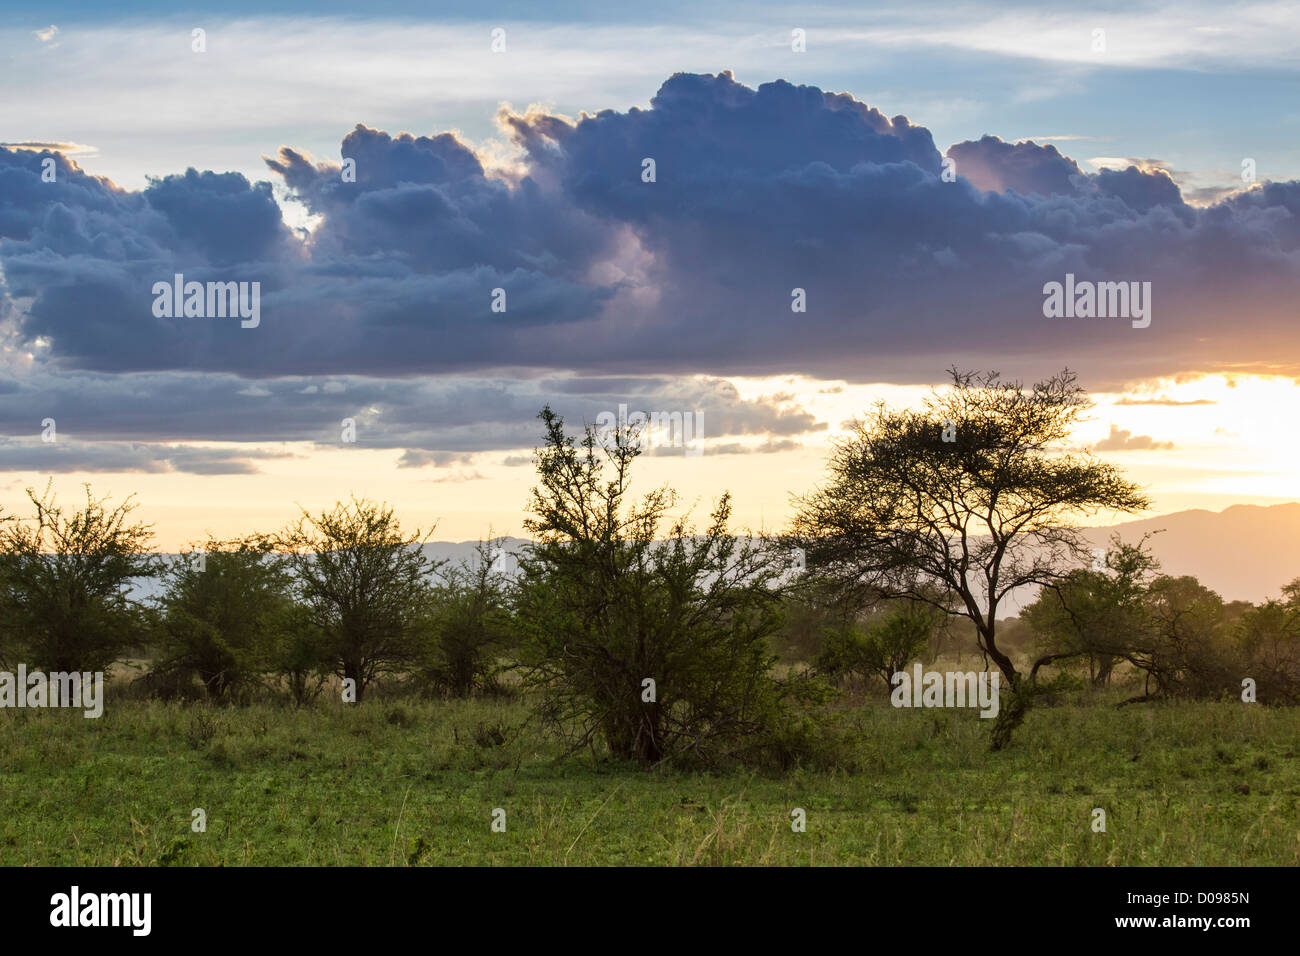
<point>352,669</point>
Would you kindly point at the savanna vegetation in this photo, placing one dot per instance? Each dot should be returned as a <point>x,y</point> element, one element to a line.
<point>653,687</point>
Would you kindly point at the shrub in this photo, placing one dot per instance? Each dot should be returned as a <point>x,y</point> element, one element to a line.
<point>468,623</point>
<point>892,641</point>
<point>363,582</point>
<point>654,645</point>
<point>220,614</point>
<point>64,577</point>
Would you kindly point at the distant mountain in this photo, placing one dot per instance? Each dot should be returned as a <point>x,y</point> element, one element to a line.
<point>455,552</point>
<point>451,552</point>
<point>1245,552</point>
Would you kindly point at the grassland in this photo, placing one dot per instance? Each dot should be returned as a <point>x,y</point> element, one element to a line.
<point>401,783</point>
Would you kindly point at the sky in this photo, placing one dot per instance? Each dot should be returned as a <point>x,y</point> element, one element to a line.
<point>447,236</point>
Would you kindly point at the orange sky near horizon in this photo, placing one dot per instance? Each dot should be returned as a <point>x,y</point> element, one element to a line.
<point>1235,446</point>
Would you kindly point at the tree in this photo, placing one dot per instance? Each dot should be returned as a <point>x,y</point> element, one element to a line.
<point>1269,640</point>
<point>221,614</point>
<point>654,644</point>
<point>364,583</point>
<point>1100,614</point>
<point>1186,651</point>
<point>887,645</point>
<point>469,623</point>
<point>961,502</point>
<point>302,659</point>
<point>64,576</point>
<point>1180,635</point>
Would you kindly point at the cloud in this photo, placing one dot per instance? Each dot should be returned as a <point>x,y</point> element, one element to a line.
<point>769,447</point>
<point>458,477</point>
<point>70,148</point>
<point>100,456</point>
<point>758,192</point>
<point>412,458</point>
<point>436,422</point>
<point>1029,169</point>
<point>1123,440</point>
<point>1166,401</point>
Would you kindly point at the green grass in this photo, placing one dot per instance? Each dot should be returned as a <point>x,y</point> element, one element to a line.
<point>399,782</point>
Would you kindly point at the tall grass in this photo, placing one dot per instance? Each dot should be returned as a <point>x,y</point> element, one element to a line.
<point>409,782</point>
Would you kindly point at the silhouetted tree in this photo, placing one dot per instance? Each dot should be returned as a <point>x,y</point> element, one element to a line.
<point>654,643</point>
<point>221,613</point>
<point>364,583</point>
<point>63,582</point>
<point>961,502</point>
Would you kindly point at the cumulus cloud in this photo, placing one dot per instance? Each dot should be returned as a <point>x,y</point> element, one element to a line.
<point>616,289</point>
<point>1121,439</point>
<point>1029,169</point>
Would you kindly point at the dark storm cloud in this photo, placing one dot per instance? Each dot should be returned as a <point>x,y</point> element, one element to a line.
<point>1029,169</point>
<point>757,192</point>
<point>115,422</point>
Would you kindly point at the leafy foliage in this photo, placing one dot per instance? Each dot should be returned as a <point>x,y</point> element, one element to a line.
<point>221,614</point>
<point>608,603</point>
<point>63,580</point>
<point>469,623</point>
<point>886,646</point>
<point>363,583</point>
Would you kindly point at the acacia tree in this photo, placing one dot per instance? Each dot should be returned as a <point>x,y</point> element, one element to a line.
<point>1268,637</point>
<point>614,596</point>
<point>221,614</point>
<point>63,580</point>
<point>1101,614</point>
<point>469,622</point>
<point>961,502</point>
<point>364,584</point>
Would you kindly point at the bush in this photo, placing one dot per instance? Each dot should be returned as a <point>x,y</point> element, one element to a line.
<point>363,583</point>
<point>468,624</point>
<point>63,584</point>
<point>220,614</point>
<point>657,648</point>
<point>893,640</point>
<point>302,659</point>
